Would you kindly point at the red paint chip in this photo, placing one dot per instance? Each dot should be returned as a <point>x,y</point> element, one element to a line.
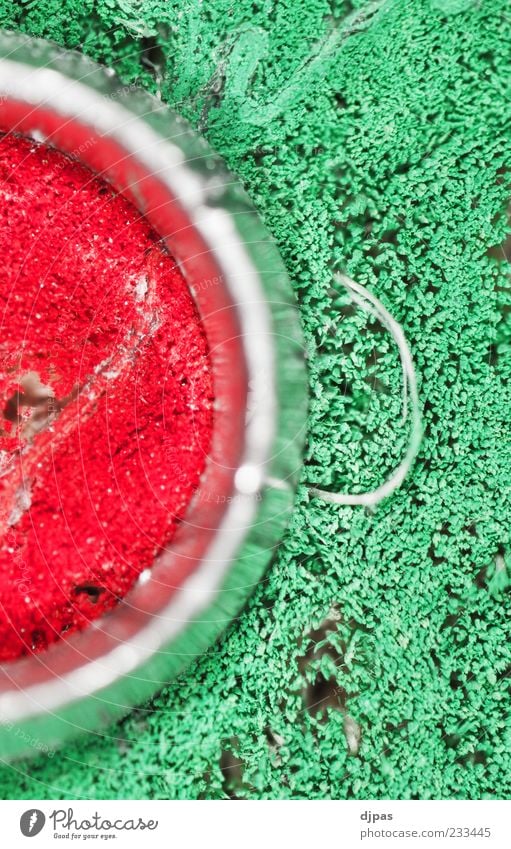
<point>106,396</point>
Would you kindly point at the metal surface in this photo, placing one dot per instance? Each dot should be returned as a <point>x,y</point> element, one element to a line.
<point>240,510</point>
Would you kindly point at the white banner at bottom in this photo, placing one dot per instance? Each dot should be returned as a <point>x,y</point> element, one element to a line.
<point>250,824</point>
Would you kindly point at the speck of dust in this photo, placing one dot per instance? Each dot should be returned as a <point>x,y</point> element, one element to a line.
<point>106,386</point>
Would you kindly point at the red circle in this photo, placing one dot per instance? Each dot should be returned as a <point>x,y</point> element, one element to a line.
<point>106,396</point>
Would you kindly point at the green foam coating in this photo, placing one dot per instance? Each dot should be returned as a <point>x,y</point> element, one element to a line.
<point>381,147</point>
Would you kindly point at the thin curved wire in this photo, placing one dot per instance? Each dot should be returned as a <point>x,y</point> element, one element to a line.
<point>361,296</point>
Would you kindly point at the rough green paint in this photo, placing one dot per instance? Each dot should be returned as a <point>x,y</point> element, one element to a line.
<point>375,138</point>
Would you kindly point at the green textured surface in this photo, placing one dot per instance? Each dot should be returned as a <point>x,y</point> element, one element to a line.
<point>382,150</point>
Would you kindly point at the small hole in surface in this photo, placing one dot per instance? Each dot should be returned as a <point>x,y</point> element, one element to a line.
<point>454,680</point>
<point>434,557</point>
<point>91,590</point>
<point>435,658</point>
<point>477,757</point>
<point>324,693</point>
<point>450,621</point>
<point>39,641</point>
<point>505,674</point>
<point>232,769</point>
<point>480,578</point>
<point>152,56</point>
